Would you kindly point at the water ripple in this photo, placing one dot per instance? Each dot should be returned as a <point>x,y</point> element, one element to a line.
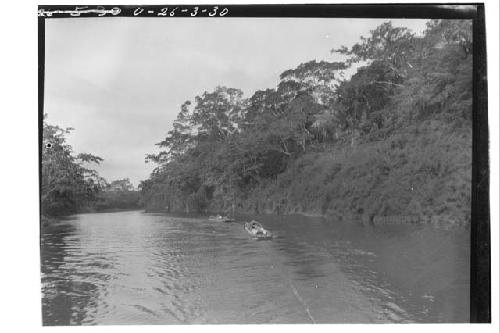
<point>135,268</point>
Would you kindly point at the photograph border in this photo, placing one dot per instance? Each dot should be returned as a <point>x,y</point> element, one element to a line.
<point>480,268</point>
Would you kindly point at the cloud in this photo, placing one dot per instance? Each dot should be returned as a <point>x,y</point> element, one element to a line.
<point>120,81</point>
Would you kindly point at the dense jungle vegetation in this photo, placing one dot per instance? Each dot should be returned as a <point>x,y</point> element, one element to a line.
<point>394,139</point>
<point>69,186</point>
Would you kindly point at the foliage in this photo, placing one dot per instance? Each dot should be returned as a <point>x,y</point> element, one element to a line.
<point>120,185</point>
<point>66,184</point>
<point>287,145</point>
<point>360,99</point>
<point>110,200</point>
<point>390,45</point>
<point>422,171</point>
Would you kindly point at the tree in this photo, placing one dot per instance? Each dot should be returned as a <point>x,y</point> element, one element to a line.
<point>189,163</point>
<point>441,82</point>
<point>366,93</point>
<point>120,185</point>
<point>217,115</point>
<point>450,32</point>
<point>223,146</point>
<point>318,79</point>
<point>391,45</point>
<point>66,184</point>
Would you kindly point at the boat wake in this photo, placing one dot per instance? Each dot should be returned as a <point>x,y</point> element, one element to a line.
<point>306,308</point>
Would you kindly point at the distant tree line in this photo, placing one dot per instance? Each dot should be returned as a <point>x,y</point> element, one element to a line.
<point>224,148</point>
<point>119,194</point>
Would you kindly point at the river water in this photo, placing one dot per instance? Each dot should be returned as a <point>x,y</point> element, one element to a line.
<point>138,268</point>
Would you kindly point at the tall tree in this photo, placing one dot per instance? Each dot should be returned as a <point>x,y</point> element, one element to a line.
<point>391,45</point>
<point>67,184</point>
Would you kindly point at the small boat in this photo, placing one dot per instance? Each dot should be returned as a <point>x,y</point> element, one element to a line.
<point>220,218</point>
<point>256,230</point>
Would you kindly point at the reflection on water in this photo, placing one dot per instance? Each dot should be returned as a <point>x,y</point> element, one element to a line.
<point>137,268</point>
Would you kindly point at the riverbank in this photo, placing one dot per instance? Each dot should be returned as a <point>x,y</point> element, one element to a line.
<point>419,175</point>
<point>391,144</point>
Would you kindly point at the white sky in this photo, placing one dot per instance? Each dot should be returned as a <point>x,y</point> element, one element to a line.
<point>120,81</point>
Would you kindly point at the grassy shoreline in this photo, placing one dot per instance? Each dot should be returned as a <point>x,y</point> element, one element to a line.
<point>420,175</point>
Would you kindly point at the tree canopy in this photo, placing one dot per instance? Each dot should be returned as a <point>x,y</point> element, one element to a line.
<point>223,145</point>
<point>67,183</point>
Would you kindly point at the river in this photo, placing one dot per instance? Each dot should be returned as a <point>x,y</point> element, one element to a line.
<point>139,268</point>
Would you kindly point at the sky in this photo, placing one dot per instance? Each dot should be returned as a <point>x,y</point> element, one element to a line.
<point>120,81</point>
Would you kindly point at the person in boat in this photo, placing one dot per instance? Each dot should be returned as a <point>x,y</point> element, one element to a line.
<point>255,224</point>
<point>256,228</point>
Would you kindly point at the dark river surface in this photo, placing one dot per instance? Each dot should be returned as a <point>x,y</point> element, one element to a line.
<point>138,268</point>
